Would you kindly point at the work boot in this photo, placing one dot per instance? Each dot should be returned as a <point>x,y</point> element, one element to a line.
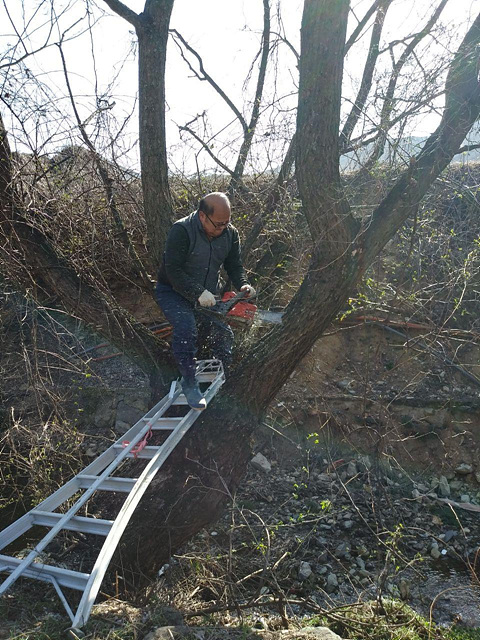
<point>192,393</point>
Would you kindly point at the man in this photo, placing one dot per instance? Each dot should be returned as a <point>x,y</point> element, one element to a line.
<point>188,279</point>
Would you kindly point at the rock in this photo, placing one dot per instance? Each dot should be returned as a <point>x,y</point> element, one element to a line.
<point>315,633</point>
<point>104,415</point>
<point>351,469</point>
<point>444,487</point>
<point>127,414</point>
<point>416,494</point>
<point>342,549</point>
<point>435,552</point>
<point>348,524</point>
<point>477,476</point>
<point>260,463</point>
<point>463,469</point>
<point>169,633</point>
<point>344,384</point>
<point>456,485</point>
<point>332,583</point>
<point>304,571</point>
<point>448,535</point>
<point>364,463</point>
<point>121,426</point>
<point>404,588</point>
<point>465,497</point>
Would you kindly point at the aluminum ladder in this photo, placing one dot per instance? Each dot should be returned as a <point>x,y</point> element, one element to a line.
<point>98,476</point>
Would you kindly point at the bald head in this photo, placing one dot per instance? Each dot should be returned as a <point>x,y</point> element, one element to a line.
<point>214,212</point>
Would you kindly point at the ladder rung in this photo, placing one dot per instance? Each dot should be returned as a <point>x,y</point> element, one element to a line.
<point>164,424</point>
<point>64,577</point>
<point>146,453</point>
<point>206,376</point>
<point>76,523</point>
<point>124,485</point>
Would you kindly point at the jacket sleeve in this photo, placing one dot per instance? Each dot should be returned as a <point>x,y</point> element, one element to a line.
<point>233,263</point>
<point>176,253</point>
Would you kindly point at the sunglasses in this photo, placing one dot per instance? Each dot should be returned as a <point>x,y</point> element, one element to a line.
<point>218,225</point>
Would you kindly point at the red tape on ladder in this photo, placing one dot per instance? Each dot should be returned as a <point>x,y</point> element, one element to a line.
<point>140,445</point>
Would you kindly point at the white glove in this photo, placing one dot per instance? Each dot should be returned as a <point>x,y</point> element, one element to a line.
<point>249,289</point>
<point>207,299</point>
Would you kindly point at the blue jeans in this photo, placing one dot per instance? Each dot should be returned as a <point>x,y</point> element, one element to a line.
<point>192,327</point>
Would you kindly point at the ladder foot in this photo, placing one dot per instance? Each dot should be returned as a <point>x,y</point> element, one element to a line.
<point>74,634</point>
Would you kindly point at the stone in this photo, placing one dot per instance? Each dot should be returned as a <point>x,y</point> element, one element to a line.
<point>316,633</point>
<point>304,571</point>
<point>127,414</point>
<point>435,552</point>
<point>348,524</point>
<point>121,426</point>
<point>342,549</point>
<point>104,415</point>
<point>168,633</point>
<point>448,535</point>
<point>404,588</point>
<point>332,583</point>
<point>463,469</point>
<point>351,469</point>
<point>344,384</point>
<point>444,487</point>
<point>260,463</point>
<point>477,476</point>
<point>465,497</point>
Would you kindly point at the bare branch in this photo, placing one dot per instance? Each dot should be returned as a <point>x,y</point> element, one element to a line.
<point>462,109</point>
<point>124,12</point>
<point>397,67</point>
<point>107,182</point>
<point>367,78</point>
<point>207,76</point>
<point>250,131</point>
<point>207,148</point>
<point>359,28</point>
<point>468,147</point>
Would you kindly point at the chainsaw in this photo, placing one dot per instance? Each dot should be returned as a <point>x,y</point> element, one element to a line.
<point>238,310</point>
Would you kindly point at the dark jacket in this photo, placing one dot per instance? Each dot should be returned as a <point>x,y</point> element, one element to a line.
<point>192,262</point>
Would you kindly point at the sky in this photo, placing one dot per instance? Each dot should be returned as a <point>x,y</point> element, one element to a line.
<point>103,61</point>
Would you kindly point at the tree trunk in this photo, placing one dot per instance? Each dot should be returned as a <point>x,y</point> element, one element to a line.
<point>152,32</point>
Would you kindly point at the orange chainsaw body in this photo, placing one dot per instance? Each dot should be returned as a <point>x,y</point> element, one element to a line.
<point>243,312</point>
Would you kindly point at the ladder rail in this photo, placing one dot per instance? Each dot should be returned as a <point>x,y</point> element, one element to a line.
<point>27,561</point>
<point>52,502</point>
<point>129,506</point>
<point>90,479</point>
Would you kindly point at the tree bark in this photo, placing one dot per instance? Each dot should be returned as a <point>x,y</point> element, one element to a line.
<point>152,53</point>
<point>151,28</point>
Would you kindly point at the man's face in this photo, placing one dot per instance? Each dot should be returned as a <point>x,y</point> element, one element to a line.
<point>215,223</point>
